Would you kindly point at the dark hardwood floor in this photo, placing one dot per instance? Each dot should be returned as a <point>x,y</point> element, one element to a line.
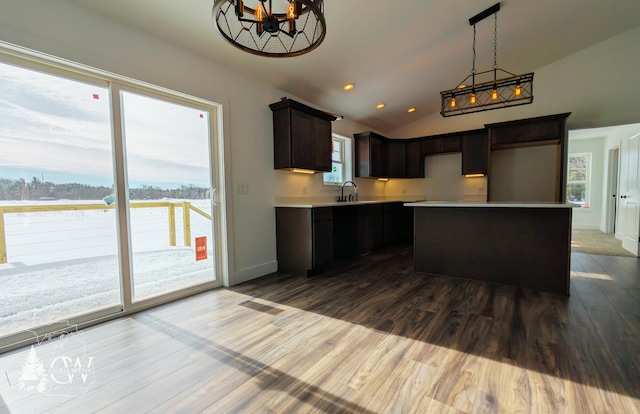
<point>372,337</point>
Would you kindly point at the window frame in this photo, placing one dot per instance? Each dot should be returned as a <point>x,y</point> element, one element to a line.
<point>346,162</point>
<point>587,181</point>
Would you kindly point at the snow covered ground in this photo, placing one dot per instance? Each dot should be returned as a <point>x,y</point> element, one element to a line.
<point>61,264</point>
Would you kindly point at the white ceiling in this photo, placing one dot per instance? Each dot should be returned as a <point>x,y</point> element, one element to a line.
<point>402,53</point>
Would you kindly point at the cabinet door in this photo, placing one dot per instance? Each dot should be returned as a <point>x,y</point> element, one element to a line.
<point>369,229</point>
<point>415,160</point>
<point>322,236</point>
<point>302,126</point>
<point>392,223</point>
<point>431,146</point>
<point>378,157</point>
<point>551,129</point>
<point>507,134</point>
<point>397,159</point>
<point>450,144</point>
<point>321,144</point>
<point>475,154</point>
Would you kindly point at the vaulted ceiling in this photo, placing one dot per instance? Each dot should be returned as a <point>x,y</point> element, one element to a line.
<point>402,53</point>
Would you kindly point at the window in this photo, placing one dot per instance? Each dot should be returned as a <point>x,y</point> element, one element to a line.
<point>578,176</point>
<point>340,161</point>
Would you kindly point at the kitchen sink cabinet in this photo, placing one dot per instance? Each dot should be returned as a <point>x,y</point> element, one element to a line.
<point>301,136</point>
<point>304,239</point>
<point>475,152</point>
<point>309,240</point>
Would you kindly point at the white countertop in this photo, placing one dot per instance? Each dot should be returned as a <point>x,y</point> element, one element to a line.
<point>508,204</point>
<point>315,204</point>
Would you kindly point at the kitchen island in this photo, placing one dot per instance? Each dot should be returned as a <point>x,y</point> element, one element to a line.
<point>520,244</point>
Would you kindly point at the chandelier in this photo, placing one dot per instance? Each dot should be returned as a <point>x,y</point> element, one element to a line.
<point>275,28</point>
<point>495,93</point>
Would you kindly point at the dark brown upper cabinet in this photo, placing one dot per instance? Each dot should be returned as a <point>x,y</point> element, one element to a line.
<point>396,167</point>
<point>371,155</point>
<point>415,160</point>
<point>441,144</point>
<point>475,152</point>
<point>381,157</point>
<point>301,136</point>
<point>542,130</point>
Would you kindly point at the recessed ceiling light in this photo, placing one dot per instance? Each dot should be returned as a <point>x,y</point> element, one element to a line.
<point>412,109</point>
<point>381,105</point>
<point>348,86</point>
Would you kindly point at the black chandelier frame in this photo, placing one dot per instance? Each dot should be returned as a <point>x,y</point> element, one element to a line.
<point>513,90</point>
<point>259,30</point>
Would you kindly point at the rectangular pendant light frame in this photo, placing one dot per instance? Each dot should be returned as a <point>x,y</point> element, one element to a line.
<point>506,95</point>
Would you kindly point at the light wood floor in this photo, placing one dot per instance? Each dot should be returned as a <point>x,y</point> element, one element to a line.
<point>372,338</point>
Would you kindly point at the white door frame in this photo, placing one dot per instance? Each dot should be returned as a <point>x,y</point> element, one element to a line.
<point>612,190</point>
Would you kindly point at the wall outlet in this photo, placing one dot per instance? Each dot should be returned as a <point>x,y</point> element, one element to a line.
<point>304,190</point>
<point>480,189</point>
<point>404,190</point>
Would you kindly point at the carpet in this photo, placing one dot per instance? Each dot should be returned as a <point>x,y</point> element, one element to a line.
<point>597,242</point>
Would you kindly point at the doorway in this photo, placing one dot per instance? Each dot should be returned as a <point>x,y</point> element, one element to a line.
<point>612,190</point>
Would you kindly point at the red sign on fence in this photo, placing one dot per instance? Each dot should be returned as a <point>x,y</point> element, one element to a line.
<point>201,248</point>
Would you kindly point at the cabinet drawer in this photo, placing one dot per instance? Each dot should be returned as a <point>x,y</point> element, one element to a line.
<point>322,214</point>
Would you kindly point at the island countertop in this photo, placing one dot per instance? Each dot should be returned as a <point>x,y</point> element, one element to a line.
<point>498,204</point>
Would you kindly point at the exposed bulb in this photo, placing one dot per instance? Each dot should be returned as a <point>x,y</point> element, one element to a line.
<point>494,93</point>
<point>518,90</point>
<point>453,102</point>
<point>472,98</point>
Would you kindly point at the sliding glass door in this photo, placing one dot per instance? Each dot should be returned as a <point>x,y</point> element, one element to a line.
<point>169,176</point>
<point>107,193</point>
<point>58,244</point>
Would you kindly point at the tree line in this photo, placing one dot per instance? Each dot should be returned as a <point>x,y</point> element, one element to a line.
<point>36,189</point>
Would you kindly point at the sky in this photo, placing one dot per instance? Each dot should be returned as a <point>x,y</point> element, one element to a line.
<point>58,129</point>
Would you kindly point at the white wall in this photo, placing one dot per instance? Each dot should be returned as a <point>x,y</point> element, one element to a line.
<point>591,217</point>
<point>515,174</point>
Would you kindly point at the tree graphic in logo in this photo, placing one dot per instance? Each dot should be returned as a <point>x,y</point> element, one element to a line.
<point>33,375</point>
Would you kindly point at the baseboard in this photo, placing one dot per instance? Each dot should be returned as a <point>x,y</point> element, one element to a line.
<point>254,272</point>
<point>579,226</point>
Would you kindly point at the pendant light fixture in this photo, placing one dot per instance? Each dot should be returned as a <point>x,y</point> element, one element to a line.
<point>275,28</point>
<point>495,93</point>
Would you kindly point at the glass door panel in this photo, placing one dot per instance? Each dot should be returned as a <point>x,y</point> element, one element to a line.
<point>58,243</point>
<point>170,200</point>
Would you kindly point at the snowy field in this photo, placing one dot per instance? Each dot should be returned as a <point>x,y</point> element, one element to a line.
<point>62,264</point>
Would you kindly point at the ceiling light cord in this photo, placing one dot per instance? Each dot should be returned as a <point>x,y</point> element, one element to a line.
<point>473,68</point>
<point>495,46</point>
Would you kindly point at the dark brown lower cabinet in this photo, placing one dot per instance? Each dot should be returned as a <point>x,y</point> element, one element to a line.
<point>392,223</point>
<point>369,227</point>
<point>304,239</point>
<point>310,239</point>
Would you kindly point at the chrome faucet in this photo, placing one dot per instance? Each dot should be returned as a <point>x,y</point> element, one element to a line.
<point>350,198</point>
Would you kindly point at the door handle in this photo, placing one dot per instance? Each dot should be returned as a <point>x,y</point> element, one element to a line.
<point>214,191</point>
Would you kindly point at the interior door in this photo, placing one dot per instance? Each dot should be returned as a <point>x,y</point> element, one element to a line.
<point>629,203</point>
